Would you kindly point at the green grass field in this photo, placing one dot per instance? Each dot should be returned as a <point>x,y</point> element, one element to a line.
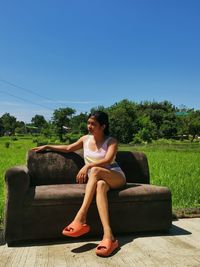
<point>14,155</point>
<point>176,166</point>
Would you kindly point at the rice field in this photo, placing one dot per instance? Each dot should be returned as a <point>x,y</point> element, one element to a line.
<point>176,166</point>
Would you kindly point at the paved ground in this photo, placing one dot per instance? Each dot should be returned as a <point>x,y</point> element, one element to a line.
<point>181,247</point>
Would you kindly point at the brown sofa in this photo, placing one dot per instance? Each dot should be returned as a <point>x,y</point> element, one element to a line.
<point>43,197</point>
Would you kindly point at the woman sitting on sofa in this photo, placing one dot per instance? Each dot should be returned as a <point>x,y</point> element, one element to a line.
<point>101,173</point>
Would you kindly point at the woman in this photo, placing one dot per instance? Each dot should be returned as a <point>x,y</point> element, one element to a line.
<point>103,174</point>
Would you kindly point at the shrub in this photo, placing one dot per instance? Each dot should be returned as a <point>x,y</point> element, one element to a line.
<point>14,138</point>
<point>137,140</point>
<point>7,144</point>
<point>42,143</point>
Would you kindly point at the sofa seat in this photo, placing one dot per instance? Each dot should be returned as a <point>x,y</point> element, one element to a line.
<point>74,193</point>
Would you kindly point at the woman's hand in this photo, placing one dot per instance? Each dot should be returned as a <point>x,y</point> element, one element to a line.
<point>40,148</point>
<point>82,175</point>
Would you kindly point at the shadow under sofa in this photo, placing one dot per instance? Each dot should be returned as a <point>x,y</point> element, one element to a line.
<point>43,197</point>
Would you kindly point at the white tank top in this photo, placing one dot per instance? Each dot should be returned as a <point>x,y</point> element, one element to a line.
<point>91,156</point>
<point>94,156</point>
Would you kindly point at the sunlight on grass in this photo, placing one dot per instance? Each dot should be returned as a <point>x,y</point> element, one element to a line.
<point>177,167</point>
<point>11,156</point>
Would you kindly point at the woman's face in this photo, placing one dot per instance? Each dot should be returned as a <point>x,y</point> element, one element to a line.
<point>94,126</point>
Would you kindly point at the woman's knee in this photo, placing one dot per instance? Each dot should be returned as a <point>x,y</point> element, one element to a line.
<point>102,186</point>
<point>95,171</point>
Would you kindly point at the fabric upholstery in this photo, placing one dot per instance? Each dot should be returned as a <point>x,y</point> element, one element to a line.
<point>134,165</point>
<point>74,193</point>
<point>53,168</point>
<point>43,197</point>
<point>62,168</point>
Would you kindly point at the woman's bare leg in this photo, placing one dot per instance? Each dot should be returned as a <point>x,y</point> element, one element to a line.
<point>89,194</point>
<point>113,179</point>
<point>102,205</point>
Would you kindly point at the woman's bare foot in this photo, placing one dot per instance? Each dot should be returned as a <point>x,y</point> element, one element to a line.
<point>80,217</point>
<point>108,235</point>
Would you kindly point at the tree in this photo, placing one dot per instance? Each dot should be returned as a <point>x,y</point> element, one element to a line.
<point>47,130</point>
<point>39,121</point>
<point>182,124</point>
<point>77,120</point>
<point>168,129</point>
<point>147,129</point>
<point>1,127</point>
<point>62,117</point>
<point>83,128</point>
<point>98,108</point>
<point>20,127</point>
<point>194,124</point>
<point>9,123</point>
<point>122,120</point>
<point>162,114</point>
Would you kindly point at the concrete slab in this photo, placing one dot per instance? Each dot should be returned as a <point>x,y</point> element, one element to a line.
<point>180,247</point>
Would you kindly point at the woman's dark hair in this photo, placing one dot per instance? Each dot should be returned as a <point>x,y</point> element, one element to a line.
<point>102,119</point>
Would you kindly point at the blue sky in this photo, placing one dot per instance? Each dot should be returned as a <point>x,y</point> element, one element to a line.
<point>82,54</point>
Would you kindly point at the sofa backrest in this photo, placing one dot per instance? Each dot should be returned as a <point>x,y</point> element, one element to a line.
<point>53,167</point>
<point>61,168</point>
<point>135,166</point>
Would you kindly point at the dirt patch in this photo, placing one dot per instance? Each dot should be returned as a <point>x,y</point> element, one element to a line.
<point>186,213</point>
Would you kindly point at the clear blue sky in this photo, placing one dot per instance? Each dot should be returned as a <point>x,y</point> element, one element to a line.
<point>85,53</point>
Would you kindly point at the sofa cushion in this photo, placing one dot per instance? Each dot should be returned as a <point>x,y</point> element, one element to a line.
<point>53,167</point>
<point>74,193</point>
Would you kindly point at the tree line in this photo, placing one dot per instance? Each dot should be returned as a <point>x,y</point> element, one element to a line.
<point>130,122</point>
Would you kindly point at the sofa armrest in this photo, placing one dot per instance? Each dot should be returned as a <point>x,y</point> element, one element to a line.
<point>17,183</point>
<point>17,180</point>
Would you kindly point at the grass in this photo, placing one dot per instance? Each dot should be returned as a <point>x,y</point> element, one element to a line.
<point>10,156</point>
<point>175,165</point>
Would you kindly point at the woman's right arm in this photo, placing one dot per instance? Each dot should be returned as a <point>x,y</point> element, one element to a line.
<point>62,148</point>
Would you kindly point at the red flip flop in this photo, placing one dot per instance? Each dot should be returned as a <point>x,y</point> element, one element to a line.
<point>106,247</point>
<point>76,229</point>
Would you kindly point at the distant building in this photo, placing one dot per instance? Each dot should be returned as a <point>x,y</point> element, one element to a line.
<point>66,128</point>
<point>181,113</point>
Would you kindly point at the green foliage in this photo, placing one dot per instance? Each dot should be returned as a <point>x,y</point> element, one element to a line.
<point>7,144</point>
<point>47,130</point>
<point>15,155</point>
<point>20,128</point>
<point>39,121</point>
<point>8,122</point>
<point>122,120</point>
<point>194,124</point>
<point>62,117</point>
<point>78,122</point>
<point>13,138</point>
<point>98,108</point>
<point>1,127</point>
<point>71,137</point>
<point>83,128</point>
<point>147,129</point>
<point>136,139</point>
<point>130,122</point>
<point>168,129</point>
